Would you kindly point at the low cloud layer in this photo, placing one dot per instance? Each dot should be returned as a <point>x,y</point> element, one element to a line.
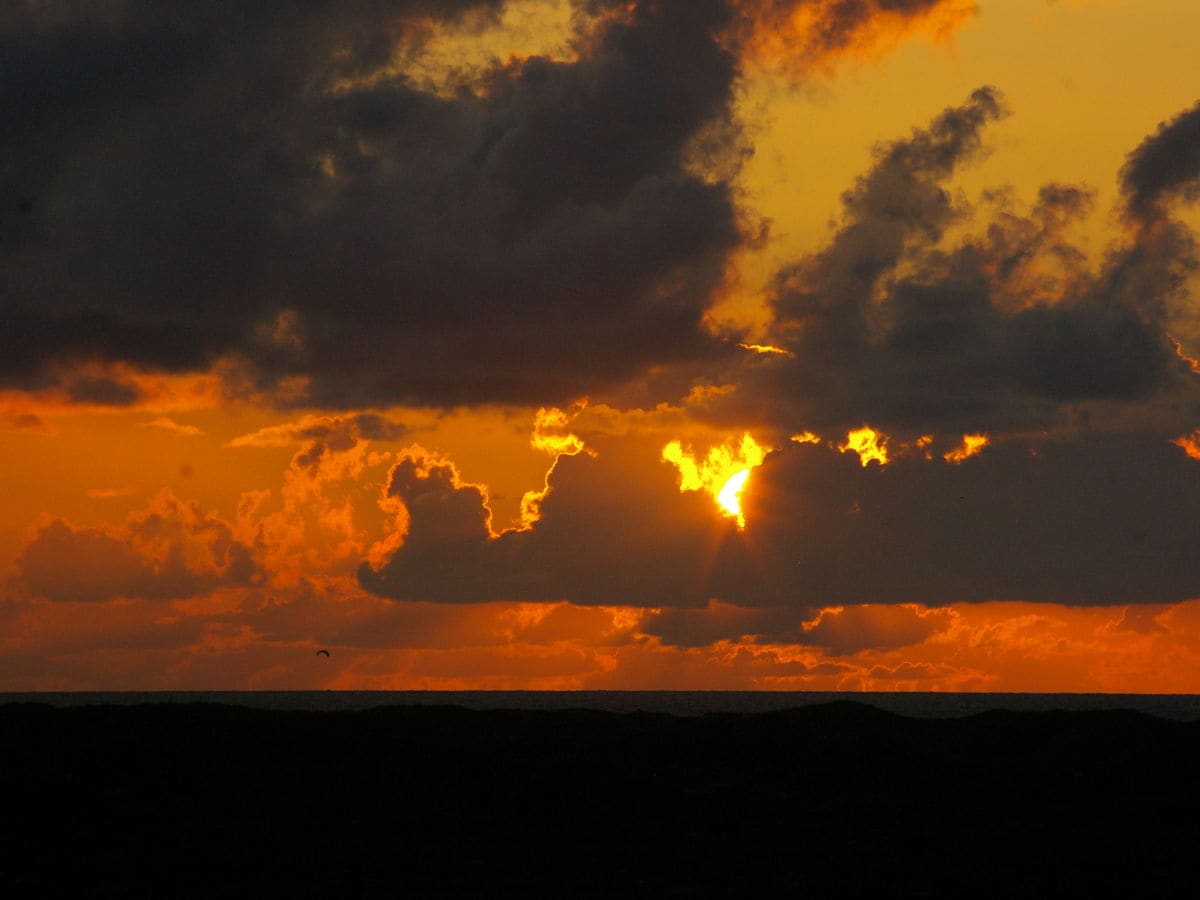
<point>1098,520</point>
<point>171,550</point>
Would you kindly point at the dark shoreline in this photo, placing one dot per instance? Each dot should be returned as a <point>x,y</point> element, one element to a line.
<point>937,705</point>
<point>199,799</point>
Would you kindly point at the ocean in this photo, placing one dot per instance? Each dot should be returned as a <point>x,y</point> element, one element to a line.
<point>1180,707</point>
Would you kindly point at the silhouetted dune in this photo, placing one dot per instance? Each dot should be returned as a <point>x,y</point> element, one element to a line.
<point>190,800</point>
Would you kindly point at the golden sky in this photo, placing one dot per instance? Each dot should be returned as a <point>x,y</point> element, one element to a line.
<point>719,344</point>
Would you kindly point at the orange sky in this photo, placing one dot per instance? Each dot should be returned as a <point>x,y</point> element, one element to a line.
<point>441,351</point>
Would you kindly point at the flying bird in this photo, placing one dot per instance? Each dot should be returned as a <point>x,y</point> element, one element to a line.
<point>322,653</point>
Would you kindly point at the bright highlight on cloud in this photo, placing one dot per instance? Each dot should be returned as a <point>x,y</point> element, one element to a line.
<point>723,471</point>
<point>971,444</point>
<point>869,444</point>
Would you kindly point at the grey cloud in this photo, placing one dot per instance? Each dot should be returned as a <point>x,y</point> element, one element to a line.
<point>102,391</point>
<point>181,184</point>
<point>1004,330</point>
<point>1104,519</point>
<point>1165,163</point>
<point>1094,520</point>
<point>614,529</point>
<point>197,175</point>
<point>840,630</point>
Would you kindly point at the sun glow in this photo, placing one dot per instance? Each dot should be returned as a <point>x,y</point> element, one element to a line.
<point>723,472</point>
<point>730,496</point>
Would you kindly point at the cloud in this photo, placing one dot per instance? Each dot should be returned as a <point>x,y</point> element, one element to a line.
<point>101,391</point>
<point>340,432</point>
<point>1166,164</point>
<point>168,551</point>
<point>613,529</point>
<point>797,38</point>
<point>28,421</point>
<point>164,423</point>
<point>1094,520</point>
<point>321,224</point>
<point>318,214</point>
<point>840,630</point>
<point>900,322</point>
<point>850,629</point>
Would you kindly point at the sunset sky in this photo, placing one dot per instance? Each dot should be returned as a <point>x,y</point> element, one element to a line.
<point>590,344</point>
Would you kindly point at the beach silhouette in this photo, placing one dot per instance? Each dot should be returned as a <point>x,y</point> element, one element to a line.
<point>190,800</point>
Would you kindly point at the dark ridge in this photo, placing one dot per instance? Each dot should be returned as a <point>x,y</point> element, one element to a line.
<point>192,800</point>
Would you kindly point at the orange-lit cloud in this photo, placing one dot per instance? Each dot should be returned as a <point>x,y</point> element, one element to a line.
<point>723,472</point>
<point>165,423</point>
<point>338,431</point>
<point>869,444</point>
<point>550,434</point>
<point>1190,443</point>
<point>767,349</point>
<point>799,38</point>
<point>171,549</point>
<point>971,444</point>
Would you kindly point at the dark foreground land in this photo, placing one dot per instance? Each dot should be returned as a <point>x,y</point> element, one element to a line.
<point>181,800</point>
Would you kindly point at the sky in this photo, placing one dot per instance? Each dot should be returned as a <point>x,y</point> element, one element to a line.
<point>600,344</point>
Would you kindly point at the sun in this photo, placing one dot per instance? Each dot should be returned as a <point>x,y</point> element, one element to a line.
<point>723,472</point>
<point>730,496</point>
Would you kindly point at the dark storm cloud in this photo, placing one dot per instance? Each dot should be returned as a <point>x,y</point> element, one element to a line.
<point>614,529</point>
<point>1002,330</point>
<point>1166,163</point>
<point>254,180</point>
<point>1105,519</point>
<point>181,184</point>
<point>1097,520</point>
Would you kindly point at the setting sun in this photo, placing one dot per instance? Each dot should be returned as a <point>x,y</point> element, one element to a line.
<point>730,497</point>
<point>723,472</point>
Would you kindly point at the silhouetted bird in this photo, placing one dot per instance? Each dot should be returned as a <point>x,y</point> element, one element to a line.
<point>322,653</point>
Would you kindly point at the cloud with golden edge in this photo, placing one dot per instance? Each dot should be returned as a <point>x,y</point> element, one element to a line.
<point>550,435</point>
<point>1190,443</point>
<point>971,444</point>
<point>337,431</point>
<point>723,472</point>
<point>1192,362</point>
<point>798,39</point>
<point>869,444</point>
<point>766,349</point>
